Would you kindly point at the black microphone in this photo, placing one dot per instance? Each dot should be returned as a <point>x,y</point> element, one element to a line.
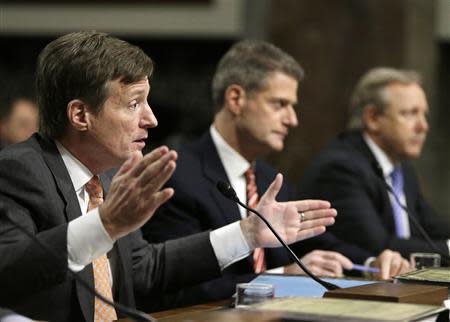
<point>379,173</point>
<point>131,313</point>
<point>229,193</point>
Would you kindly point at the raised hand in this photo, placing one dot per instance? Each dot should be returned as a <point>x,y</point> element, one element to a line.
<point>135,191</point>
<point>286,219</point>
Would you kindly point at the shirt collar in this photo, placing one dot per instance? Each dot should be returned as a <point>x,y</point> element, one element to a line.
<point>383,160</point>
<point>79,174</point>
<point>235,164</point>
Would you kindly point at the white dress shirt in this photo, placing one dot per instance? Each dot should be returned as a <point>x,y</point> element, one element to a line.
<point>15,318</point>
<point>87,239</point>
<point>235,166</point>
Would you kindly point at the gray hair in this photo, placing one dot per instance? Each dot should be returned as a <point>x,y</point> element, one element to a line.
<point>247,64</point>
<point>370,90</point>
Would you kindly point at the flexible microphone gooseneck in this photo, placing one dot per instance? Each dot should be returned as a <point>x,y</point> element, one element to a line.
<point>419,227</point>
<point>131,313</point>
<point>229,193</point>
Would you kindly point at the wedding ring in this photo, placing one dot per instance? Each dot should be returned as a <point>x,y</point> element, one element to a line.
<point>302,217</point>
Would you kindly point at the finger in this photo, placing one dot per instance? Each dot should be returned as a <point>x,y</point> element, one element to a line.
<point>162,196</point>
<point>395,266</point>
<point>320,213</point>
<point>318,271</point>
<point>311,232</point>
<point>130,163</point>
<point>272,192</point>
<point>405,267</point>
<point>385,267</point>
<point>151,170</point>
<point>341,259</point>
<point>310,204</point>
<point>330,265</point>
<point>326,221</point>
<point>149,159</point>
<point>160,178</point>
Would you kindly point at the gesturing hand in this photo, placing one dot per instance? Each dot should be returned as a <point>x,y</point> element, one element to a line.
<point>286,219</point>
<point>135,191</point>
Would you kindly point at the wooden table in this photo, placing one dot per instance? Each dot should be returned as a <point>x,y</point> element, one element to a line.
<point>216,311</point>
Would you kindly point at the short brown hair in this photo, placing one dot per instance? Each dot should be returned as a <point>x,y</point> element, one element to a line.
<point>80,65</point>
<point>247,64</point>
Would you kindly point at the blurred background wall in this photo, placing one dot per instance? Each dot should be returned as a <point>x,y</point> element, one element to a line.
<point>336,41</point>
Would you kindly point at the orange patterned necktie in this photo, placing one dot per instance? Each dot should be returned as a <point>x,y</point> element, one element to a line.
<point>102,280</point>
<point>259,263</point>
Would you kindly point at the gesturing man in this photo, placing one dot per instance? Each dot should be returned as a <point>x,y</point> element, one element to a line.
<point>94,115</point>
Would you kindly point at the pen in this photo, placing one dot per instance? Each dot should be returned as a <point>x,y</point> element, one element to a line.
<point>365,268</point>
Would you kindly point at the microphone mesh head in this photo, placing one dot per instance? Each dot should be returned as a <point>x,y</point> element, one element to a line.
<point>226,189</point>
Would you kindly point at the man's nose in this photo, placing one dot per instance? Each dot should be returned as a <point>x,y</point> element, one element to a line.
<point>148,119</point>
<point>291,117</point>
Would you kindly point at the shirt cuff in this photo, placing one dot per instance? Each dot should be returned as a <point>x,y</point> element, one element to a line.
<point>87,240</point>
<point>15,318</point>
<point>277,270</point>
<point>229,244</point>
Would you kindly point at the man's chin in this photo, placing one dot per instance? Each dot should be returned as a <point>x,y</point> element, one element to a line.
<point>413,154</point>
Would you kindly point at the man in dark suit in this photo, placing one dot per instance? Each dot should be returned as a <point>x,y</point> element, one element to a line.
<point>94,115</point>
<point>390,113</point>
<point>255,92</point>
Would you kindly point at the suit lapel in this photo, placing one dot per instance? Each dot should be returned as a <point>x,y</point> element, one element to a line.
<point>62,179</point>
<point>387,213</point>
<point>72,211</point>
<point>214,171</point>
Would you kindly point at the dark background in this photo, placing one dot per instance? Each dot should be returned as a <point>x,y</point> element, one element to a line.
<point>335,41</point>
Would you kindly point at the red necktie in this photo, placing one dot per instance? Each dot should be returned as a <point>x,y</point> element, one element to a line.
<point>102,280</point>
<point>259,264</point>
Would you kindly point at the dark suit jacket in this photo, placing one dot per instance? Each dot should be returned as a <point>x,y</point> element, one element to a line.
<point>344,173</point>
<point>37,191</point>
<point>198,206</point>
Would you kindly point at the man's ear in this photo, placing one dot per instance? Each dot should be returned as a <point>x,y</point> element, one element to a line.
<point>77,112</point>
<point>371,117</point>
<point>234,99</point>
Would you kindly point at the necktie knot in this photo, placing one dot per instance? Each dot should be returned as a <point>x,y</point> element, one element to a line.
<point>250,175</point>
<point>95,192</point>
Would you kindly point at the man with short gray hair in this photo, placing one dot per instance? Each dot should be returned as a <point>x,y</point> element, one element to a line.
<point>389,121</point>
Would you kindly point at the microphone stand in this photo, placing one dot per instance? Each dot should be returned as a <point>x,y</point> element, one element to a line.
<point>419,227</point>
<point>229,193</point>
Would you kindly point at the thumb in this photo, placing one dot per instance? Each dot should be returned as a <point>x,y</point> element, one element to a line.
<point>273,189</point>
